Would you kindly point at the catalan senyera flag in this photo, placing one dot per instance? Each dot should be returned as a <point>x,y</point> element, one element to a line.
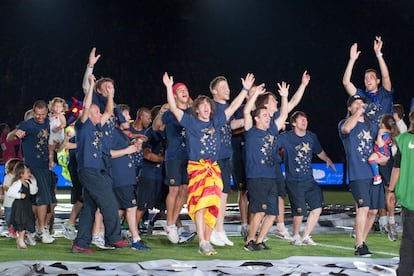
<point>204,189</point>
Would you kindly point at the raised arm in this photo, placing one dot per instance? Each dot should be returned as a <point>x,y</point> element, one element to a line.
<point>283,92</point>
<point>109,108</point>
<point>157,123</point>
<point>295,100</point>
<point>346,80</point>
<point>93,58</point>
<point>236,103</point>
<point>87,101</point>
<point>352,120</point>
<point>385,74</point>
<point>168,82</point>
<point>247,117</point>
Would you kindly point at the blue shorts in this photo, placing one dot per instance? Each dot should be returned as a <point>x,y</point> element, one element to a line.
<point>149,193</point>
<point>226,172</point>
<point>239,173</point>
<point>386,171</point>
<point>281,183</point>
<point>367,195</point>
<point>46,183</point>
<point>176,173</point>
<point>303,194</point>
<point>76,190</point>
<point>126,196</point>
<point>263,196</point>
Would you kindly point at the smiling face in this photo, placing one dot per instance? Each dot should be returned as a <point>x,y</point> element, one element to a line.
<point>181,95</point>
<point>371,81</point>
<point>221,92</point>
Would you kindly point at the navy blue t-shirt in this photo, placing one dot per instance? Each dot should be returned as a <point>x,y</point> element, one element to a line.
<point>225,133</point>
<point>261,152</point>
<point>123,168</point>
<point>138,157</point>
<point>359,144</point>
<point>155,142</point>
<point>89,145</point>
<point>379,103</point>
<point>35,143</point>
<point>203,138</point>
<point>101,102</point>
<point>298,153</point>
<point>176,143</point>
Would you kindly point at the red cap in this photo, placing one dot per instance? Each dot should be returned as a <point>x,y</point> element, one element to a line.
<point>178,85</point>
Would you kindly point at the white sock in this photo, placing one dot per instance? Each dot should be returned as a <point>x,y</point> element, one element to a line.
<point>391,220</point>
<point>383,220</point>
<point>280,225</point>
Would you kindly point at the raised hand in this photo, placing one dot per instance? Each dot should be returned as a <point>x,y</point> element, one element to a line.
<point>93,58</point>
<point>283,89</point>
<point>167,80</point>
<point>353,52</point>
<point>305,78</point>
<point>378,45</point>
<point>91,80</point>
<point>248,81</point>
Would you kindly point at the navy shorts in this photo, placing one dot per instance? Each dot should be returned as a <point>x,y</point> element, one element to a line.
<point>176,172</point>
<point>126,196</point>
<point>46,183</point>
<point>76,190</point>
<point>303,194</point>
<point>263,196</point>
<point>226,172</point>
<point>281,183</point>
<point>149,193</point>
<point>367,195</point>
<point>239,172</point>
<point>386,171</point>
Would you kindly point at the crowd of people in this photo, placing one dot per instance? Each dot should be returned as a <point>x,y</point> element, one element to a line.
<point>188,151</point>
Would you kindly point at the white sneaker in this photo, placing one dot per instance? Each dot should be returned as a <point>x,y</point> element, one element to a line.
<point>283,234</point>
<point>29,239</point>
<point>308,241</point>
<point>296,241</point>
<point>99,242</point>
<point>46,237</point>
<point>70,231</point>
<point>216,239</point>
<point>225,239</point>
<point>172,233</point>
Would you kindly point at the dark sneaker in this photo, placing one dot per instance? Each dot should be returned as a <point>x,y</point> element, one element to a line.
<point>392,232</point>
<point>263,246</point>
<point>251,246</point>
<point>120,244</point>
<point>78,249</point>
<point>139,245</point>
<point>186,236</point>
<point>363,251</point>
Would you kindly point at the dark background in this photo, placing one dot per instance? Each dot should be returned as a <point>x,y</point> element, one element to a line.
<point>44,45</point>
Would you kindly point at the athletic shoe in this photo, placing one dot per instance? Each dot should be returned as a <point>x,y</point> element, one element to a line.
<point>283,234</point>
<point>385,229</point>
<point>150,228</point>
<point>296,241</point>
<point>244,232</point>
<point>263,246</point>
<point>46,237</point>
<point>139,245</point>
<point>225,239</point>
<point>172,233</point>
<point>251,246</point>
<point>308,241</point>
<point>11,233</point>
<point>70,231</point>
<point>121,244</point>
<point>29,239</point>
<point>392,232</point>
<point>186,236</point>
<point>215,239</point>
<point>78,249</point>
<point>377,180</point>
<point>362,251</point>
<point>20,244</point>
<point>206,249</point>
<point>99,242</point>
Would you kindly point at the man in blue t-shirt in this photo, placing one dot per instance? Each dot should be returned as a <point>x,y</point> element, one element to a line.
<point>379,99</point>
<point>262,166</point>
<point>358,135</point>
<point>35,134</point>
<point>299,145</point>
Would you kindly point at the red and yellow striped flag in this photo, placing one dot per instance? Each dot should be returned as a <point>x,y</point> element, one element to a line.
<point>204,189</point>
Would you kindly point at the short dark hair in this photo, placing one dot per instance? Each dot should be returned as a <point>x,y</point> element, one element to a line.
<point>40,104</point>
<point>371,70</point>
<point>215,81</point>
<point>295,115</point>
<point>99,82</point>
<point>399,109</point>
<point>263,99</point>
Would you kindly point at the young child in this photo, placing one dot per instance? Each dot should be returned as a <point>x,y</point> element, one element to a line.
<point>388,130</point>
<point>22,216</point>
<point>57,108</point>
<point>8,201</point>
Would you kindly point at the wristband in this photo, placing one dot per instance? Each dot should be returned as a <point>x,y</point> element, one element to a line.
<point>379,55</point>
<point>245,89</point>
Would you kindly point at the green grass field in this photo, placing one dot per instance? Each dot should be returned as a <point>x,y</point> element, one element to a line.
<point>340,245</point>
